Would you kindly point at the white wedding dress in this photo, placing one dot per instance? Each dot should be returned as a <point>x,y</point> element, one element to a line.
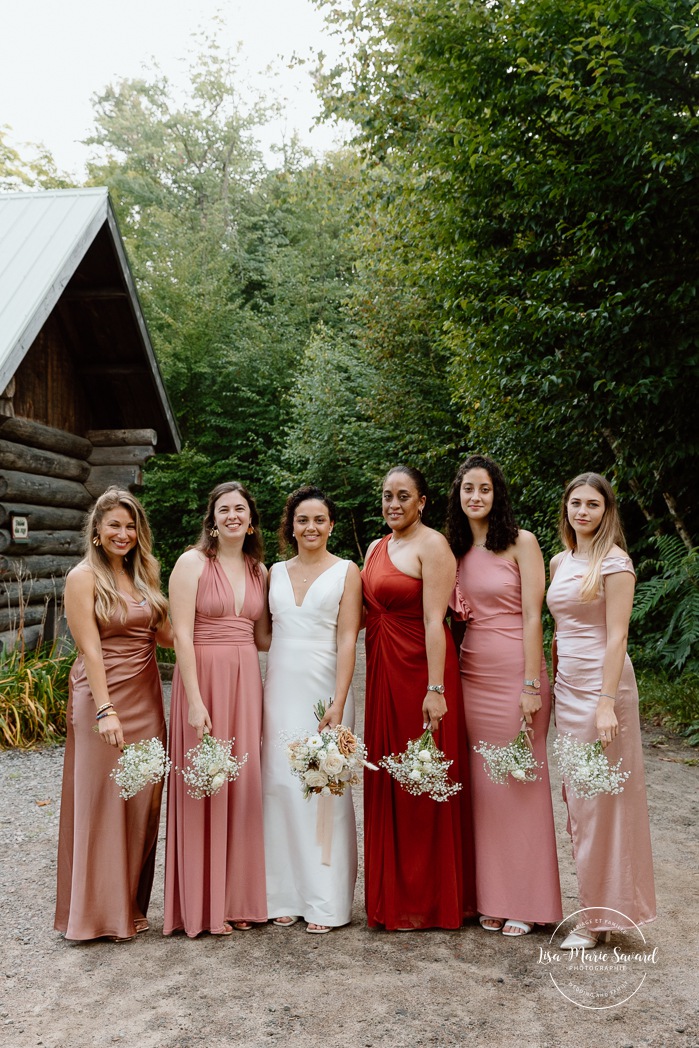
<point>301,671</point>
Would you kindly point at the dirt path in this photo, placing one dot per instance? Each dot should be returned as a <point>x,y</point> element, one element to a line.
<point>354,987</point>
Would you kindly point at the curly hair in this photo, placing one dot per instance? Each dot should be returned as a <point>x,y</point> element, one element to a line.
<point>253,545</point>
<point>608,534</point>
<point>502,527</point>
<point>139,563</point>
<point>286,524</point>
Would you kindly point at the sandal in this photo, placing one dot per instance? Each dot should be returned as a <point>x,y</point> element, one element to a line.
<point>523,928</point>
<point>318,929</point>
<point>141,924</point>
<point>225,930</point>
<point>495,925</point>
<point>242,926</point>
<point>284,922</point>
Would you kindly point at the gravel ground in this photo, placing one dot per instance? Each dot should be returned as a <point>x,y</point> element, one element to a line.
<point>354,987</point>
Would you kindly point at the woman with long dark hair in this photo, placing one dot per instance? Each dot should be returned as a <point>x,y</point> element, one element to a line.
<point>499,592</point>
<point>590,598</point>
<point>117,615</point>
<point>215,864</point>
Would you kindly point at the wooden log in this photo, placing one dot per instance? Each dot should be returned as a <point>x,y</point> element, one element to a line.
<point>46,463</point>
<point>31,615</point>
<point>31,590</point>
<point>44,517</point>
<point>109,438</point>
<point>103,477</point>
<point>31,637</point>
<point>42,542</point>
<point>44,491</point>
<point>38,566</point>
<point>36,435</point>
<point>121,456</point>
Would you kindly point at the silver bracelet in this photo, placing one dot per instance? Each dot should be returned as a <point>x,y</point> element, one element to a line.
<point>604,695</point>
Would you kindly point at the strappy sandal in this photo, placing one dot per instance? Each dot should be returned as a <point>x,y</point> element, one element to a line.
<point>524,928</point>
<point>284,922</point>
<point>497,923</point>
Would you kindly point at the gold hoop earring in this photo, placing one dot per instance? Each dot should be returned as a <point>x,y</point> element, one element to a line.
<point>213,532</point>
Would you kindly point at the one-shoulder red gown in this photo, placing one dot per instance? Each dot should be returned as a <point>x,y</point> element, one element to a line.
<point>418,853</point>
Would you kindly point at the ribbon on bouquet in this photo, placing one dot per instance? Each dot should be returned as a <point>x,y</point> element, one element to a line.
<point>324,827</point>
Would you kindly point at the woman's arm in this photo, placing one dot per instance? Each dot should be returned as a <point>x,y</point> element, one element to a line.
<point>165,637</point>
<point>262,629</point>
<point>438,577</point>
<point>82,622</point>
<point>348,624</point>
<point>618,592</point>
<point>183,597</point>
<point>533,577</point>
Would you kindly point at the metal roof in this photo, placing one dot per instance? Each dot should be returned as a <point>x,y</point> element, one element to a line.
<point>44,236</point>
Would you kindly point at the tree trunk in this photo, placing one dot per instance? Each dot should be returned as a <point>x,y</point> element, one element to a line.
<point>46,463</point>
<point>46,491</point>
<point>36,435</point>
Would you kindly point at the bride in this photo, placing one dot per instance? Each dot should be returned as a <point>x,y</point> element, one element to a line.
<point>316,604</point>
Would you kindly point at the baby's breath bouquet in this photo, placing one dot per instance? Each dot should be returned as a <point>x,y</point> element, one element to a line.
<point>586,769</point>
<point>326,762</point>
<point>140,764</point>
<point>211,764</point>
<point>422,768</point>
<point>516,759</point>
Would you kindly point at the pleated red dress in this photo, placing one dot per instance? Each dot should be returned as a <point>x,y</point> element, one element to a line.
<point>418,853</point>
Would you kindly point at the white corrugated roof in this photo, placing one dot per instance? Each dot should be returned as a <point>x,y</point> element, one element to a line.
<point>43,237</point>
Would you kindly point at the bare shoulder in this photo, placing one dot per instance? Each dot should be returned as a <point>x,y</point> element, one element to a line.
<point>370,550</point>
<point>353,571</point>
<point>617,551</point>
<point>189,565</point>
<point>526,540</point>
<point>555,561</point>
<point>435,543</point>
<point>81,577</point>
<point>264,572</point>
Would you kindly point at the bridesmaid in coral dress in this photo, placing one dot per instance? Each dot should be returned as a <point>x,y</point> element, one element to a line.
<point>499,592</point>
<point>215,862</point>
<point>418,852</point>
<point>590,597</point>
<point>117,614</point>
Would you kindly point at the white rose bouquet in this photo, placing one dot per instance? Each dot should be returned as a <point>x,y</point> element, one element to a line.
<point>140,764</point>
<point>422,768</point>
<point>327,762</point>
<point>585,768</point>
<point>515,759</point>
<point>211,764</point>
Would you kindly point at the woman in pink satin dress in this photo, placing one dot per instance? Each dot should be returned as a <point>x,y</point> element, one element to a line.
<point>117,615</point>
<point>590,598</point>
<point>215,862</point>
<point>499,591</point>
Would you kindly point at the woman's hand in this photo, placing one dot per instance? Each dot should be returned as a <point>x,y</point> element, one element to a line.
<point>434,707</point>
<point>332,718</point>
<point>605,721</point>
<point>529,704</point>
<point>111,731</point>
<point>199,719</point>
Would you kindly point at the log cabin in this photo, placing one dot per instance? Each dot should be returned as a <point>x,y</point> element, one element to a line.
<point>82,400</point>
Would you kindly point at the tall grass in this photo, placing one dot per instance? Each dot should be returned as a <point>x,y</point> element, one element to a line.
<point>34,695</point>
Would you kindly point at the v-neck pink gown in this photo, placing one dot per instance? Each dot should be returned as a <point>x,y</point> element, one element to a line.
<point>214,855</point>
<point>610,833</point>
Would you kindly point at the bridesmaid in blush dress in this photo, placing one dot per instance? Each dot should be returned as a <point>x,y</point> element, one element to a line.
<point>418,852</point>
<point>117,615</point>
<point>590,598</point>
<point>215,863</point>
<point>499,592</point>
<point>316,604</point>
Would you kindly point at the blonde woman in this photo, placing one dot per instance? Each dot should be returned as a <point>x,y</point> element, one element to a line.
<point>117,615</point>
<point>590,598</point>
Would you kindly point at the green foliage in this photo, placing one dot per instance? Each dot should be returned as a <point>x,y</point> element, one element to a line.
<point>33,695</point>
<point>667,606</point>
<point>36,172</point>
<point>670,701</point>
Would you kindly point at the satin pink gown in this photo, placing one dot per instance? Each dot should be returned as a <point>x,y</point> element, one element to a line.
<point>610,834</point>
<point>106,845</point>
<point>214,853</point>
<point>514,833</point>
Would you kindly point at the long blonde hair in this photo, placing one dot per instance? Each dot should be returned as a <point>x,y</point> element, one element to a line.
<point>139,563</point>
<point>609,533</point>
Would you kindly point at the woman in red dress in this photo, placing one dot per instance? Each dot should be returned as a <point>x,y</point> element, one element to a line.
<point>418,853</point>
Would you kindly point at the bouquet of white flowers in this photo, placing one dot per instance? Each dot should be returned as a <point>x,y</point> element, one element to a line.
<point>422,768</point>
<point>586,769</point>
<point>211,764</point>
<point>140,764</point>
<point>515,759</point>
<point>327,762</point>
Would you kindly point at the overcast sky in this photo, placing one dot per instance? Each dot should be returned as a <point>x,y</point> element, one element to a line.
<point>55,54</point>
